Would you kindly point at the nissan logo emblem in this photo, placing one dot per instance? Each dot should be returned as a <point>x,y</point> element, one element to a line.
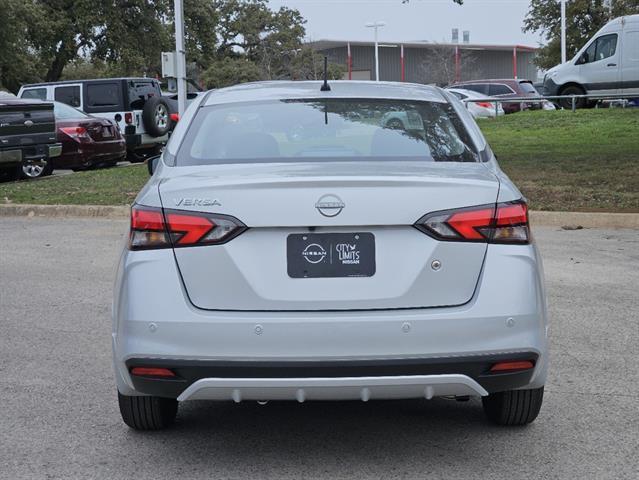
<point>330,205</point>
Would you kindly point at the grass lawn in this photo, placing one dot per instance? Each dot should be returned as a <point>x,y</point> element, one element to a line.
<point>111,186</point>
<point>584,161</point>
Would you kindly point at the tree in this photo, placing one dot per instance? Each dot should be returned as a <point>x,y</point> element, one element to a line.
<point>46,40</point>
<point>307,64</point>
<point>439,65</point>
<point>229,71</point>
<point>583,19</point>
<point>18,64</point>
<point>269,39</point>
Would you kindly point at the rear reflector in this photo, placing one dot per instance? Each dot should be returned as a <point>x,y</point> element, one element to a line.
<point>152,228</point>
<point>175,117</point>
<point>152,372</point>
<point>501,223</point>
<point>512,366</point>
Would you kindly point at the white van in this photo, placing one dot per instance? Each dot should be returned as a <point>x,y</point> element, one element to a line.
<point>607,64</point>
<point>136,105</point>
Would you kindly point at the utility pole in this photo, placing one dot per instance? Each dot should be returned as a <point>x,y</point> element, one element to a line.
<point>376,25</point>
<point>180,52</point>
<point>563,31</point>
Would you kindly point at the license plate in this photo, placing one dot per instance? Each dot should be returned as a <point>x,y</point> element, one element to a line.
<point>322,255</point>
<point>106,132</point>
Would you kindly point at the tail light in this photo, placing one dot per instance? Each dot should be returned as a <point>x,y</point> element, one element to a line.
<point>152,228</point>
<point>485,105</point>
<point>175,117</point>
<point>128,118</point>
<point>79,134</point>
<point>500,223</point>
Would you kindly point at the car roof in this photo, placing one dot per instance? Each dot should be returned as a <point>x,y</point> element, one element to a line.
<point>10,100</point>
<point>90,80</point>
<point>470,93</point>
<point>495,80</point>
<point>284,90</point>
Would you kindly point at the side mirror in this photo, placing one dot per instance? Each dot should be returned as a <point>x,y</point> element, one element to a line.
<point>152,163</point>
<point>583,58</point>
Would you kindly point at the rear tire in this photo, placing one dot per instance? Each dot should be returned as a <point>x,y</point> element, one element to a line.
<point>30,171</point>
<point>513,407</point>
<point>147,413</point>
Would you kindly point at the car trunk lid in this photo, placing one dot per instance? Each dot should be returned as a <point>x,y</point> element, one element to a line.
<point>281,204</point>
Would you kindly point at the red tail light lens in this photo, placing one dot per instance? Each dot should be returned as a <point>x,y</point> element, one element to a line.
<point>503,367</point>
<point>485,105</point>
<point>79,134</point>
<point>151,228</point>
<point>500,223</point>
<point>152,372</point>
<point>128,118</point>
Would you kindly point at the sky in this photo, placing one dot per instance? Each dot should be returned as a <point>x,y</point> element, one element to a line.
<point>489,21</point>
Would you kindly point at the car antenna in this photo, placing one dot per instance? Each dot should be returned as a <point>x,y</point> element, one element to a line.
<point>325,86</point>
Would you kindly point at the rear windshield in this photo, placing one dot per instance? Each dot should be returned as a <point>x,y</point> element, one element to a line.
<point>528,87</point>
<point>140,92</point>
<point>65,112</point>
<point>326,130</point>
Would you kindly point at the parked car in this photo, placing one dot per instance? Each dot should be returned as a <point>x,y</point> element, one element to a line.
<point>290,247</point>
<point>607,64</point>
<point>136,105</point>
<point>27,138</point>
<point>484,109</point>
<point>86,141</point>
<point>172,99</point>
<point>505,88</point>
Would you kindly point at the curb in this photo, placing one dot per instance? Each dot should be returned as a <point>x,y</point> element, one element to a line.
<point>63,211</point>
<point>570,220</point>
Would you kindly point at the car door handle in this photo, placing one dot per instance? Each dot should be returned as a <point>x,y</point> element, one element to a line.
<point>612,64</point>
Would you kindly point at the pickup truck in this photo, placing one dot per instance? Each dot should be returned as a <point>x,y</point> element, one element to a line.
<point>27,138</point>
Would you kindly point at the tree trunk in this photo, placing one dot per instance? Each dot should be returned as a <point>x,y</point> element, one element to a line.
<point>60,61</point>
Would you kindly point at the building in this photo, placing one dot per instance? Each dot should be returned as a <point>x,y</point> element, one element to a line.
<point>431,63</point>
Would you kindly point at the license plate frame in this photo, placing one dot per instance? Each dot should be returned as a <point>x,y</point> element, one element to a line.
<point>330,255</point>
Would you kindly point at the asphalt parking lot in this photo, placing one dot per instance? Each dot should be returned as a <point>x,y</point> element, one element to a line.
<point>59,416</point>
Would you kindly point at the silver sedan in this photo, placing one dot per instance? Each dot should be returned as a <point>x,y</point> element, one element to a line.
<point>293,244</point>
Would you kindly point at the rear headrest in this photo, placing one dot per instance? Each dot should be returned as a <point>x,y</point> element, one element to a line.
<point>389,142</point>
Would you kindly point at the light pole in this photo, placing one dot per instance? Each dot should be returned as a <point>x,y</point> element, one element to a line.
<point>181,61</point>
<point>376,25</point>
<point>563,31</point>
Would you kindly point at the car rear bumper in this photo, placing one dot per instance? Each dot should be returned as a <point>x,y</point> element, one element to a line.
<point>140,141</point>
<point>154,322</point>
<point>325,380</point>
<point>10,157</point>
<point>340,388</point>
<point>88,154</point>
